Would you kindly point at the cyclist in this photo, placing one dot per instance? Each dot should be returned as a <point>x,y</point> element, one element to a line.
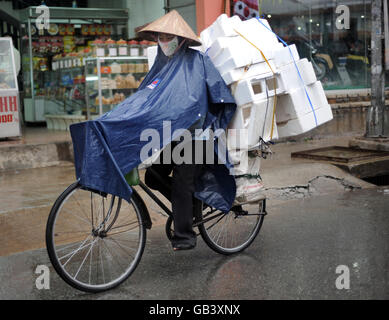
<point>172,33</point>
<point>183,87</point>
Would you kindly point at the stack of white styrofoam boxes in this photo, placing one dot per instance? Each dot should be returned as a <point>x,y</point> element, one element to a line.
<point>305,105</point>
<point>249,76</point>
<point>251,80</point>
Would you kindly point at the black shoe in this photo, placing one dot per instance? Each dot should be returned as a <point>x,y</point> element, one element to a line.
<point>183,246</point>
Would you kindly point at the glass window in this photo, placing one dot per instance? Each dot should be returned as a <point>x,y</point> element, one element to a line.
<point>7,75</point>
<point>340,55</point>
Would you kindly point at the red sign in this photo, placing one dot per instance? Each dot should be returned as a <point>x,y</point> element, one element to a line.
<point>5,118</point>
<point>7,105</point>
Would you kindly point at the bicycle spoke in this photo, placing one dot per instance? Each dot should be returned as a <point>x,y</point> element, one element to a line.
<point>113,256</point>
<point>71,232</point>
<point>221,230</point>
<point>91,204</point>
<point>225,235</point>
<point>77,216</point>
<point>78,203</point>
<point>68,246</point>
<point>121,246</point>
<point>109,261</point>
<point>126,225</point>
<point>90,265</point>
<point>74,252</point>
<point>83,261</point>
<point>102,264</point>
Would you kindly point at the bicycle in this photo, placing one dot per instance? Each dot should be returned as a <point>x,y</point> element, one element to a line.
<point>95,240</point>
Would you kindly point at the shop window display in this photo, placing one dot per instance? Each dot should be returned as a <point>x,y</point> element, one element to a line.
<point>60,86</point>
<point>341,57</point>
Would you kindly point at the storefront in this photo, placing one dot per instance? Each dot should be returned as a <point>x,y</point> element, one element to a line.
<point>334,35</point>
<point>86,61</point>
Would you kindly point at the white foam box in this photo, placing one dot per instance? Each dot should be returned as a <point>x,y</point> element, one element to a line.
<point>284,56</point>
<point>296,104</point>
<point>290,76</point>
<point>305,123</point>
<point>258,34</point>
<point>250,122</point>
<point>228,53</point>
<point>222,27</point>
<point>242,73</point>
<point>257,88</point>
<point>234,58</point>
<point>252,29</point>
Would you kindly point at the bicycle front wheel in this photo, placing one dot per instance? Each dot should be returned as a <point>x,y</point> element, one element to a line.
<point>94,240</point>
<point>232,232</point>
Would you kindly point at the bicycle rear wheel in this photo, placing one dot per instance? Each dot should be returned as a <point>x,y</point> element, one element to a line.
<point>232,232</point>
<point>94,240</point>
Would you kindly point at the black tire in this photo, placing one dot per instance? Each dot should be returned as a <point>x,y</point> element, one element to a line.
<point>254,223</point>
<point>112,230</point>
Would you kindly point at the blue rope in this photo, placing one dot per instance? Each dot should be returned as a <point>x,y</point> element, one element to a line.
<point>298,71</point>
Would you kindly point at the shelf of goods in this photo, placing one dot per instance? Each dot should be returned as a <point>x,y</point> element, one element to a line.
<point>53,60</point>
<point>109,80</point>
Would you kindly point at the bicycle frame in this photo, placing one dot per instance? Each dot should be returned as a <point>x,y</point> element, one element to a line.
<point>169,212</point>
<point>146,217</point>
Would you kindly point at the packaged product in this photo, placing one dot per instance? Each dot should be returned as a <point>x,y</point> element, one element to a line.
<point>85,30</point>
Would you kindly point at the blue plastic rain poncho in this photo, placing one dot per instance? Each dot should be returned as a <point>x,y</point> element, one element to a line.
<point>180,89</point>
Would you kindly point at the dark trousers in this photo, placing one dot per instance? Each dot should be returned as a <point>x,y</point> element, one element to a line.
<point>179,189</point>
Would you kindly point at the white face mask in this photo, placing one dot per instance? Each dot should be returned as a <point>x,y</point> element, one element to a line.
<point>168,48</point>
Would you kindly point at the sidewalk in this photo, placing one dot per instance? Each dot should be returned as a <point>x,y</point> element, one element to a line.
<point>37,148</point>
<point>27,195</point>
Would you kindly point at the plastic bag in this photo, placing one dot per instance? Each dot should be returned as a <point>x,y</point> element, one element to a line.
<point>248,189</point>
<point>249,186</point>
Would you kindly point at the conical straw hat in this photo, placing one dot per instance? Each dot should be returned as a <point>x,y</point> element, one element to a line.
<point>171,23</point>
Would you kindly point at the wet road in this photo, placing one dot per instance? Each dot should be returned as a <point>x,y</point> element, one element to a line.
<point>295,256</point>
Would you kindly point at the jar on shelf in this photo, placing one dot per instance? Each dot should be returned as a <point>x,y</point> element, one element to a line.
<point>122,47</point>
<point>112,48</point>
<point>134,48</point>
<point>144,45</point>
<point>98,48</point>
